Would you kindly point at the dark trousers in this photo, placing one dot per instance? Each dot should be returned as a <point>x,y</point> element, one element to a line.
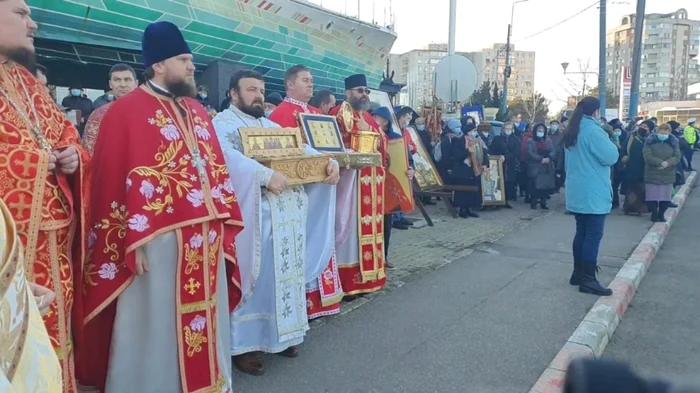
<point>689,157</point>
<point>616,183</point>
<point>589,233</point>
<point>511,190</point>
<point>387,233</point>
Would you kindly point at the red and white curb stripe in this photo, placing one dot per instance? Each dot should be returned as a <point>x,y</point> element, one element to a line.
<point>595,331</point>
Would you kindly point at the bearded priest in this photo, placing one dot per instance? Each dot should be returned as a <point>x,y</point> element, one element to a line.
<point>164,217</point>
<point>361,262</point>
<point>43,171</point>
<point>286,245</point>
<point>323,295</point>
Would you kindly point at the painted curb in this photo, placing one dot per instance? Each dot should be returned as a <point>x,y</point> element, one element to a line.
<point>595,331</point>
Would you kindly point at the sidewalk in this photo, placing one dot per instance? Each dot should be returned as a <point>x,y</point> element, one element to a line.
<point>488,322</point>
<point>658,335</point>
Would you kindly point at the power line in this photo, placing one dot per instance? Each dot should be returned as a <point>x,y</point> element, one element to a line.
<point>562,22</point>
<point>500,51</point>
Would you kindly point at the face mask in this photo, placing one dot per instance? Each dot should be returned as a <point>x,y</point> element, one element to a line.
<point>420,128</point>
<point>110,97</point>
<point>508,132</point>
<point>662,137</point>
<point>203,95</point>
<point>618,133</point>
<point>555,128</point>
<point>540,134</point>
<point>76,93</point>
<point>474,134</point>
<point>486,134</point>
<point>267,114</point>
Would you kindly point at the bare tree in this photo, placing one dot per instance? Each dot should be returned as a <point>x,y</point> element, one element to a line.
<point>581,85</point>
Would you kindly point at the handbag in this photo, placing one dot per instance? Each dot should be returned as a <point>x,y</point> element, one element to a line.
<point>545,178</point>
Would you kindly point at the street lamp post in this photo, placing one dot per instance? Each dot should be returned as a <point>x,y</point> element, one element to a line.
<point>602,88</point>
<point>506,70</point>
<point>584,73</point>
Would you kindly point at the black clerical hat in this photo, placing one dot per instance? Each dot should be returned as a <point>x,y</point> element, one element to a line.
<point>161,41</point>
<point>355,81</point>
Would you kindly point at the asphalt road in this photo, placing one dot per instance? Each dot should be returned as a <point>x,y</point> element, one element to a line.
<point>490,322</point>
<point>658,335</point>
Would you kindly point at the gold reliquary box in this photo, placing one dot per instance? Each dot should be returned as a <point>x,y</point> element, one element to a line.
<point>358,160</point>
<point>282,150</point>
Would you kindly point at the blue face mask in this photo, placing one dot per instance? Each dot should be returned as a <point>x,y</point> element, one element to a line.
<point>662,137</point>
<point>554,128</point>
<point>268,113</point>
<point>474,134</point>
<point>76,93</point>
<point>540,134</point>
<point>420,128</point>
<point>618,133</point>
<point>203,95</point>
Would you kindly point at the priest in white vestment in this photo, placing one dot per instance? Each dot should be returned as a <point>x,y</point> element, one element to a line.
<point>273,256</point>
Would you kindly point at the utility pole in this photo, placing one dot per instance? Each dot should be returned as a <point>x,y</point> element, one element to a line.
<point>602,73</point>
<point>637,58</point>
<point>506,75</point>
<point>358,9</point>
<point>453,24</point>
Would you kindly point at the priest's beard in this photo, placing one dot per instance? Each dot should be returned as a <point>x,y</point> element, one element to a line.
<point>22,56</point>
<point>360,104</point>
<point>255,108</point>
<point>181,87</point>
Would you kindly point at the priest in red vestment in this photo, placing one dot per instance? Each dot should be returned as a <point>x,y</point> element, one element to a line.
<point>164,219</point>
<point>324,294</point>
<point>41,179</point>
<point>361,262</point>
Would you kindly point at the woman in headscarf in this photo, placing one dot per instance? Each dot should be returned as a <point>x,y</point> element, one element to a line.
<point>635,201</point>
<point>382,116</point>
<point>508,145</point>
<point>661,156</point>
<point>443,149</point>
<point>540,166</point>
<point>522,175</point>
<point>470,159</point>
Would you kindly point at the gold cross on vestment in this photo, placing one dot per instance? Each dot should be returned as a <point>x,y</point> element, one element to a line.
<point>26,164</point>
<point>21,205</point>
<point>192,286</point>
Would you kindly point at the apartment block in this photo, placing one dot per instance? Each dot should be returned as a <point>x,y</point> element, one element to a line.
<point>669,55</point>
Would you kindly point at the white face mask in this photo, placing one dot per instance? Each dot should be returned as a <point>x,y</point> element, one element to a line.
<point>508,132</point>
<point>540,134</point>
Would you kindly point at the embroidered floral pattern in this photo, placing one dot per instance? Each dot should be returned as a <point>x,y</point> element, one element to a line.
<point>138,223</point>
<point>108,271</point>
<point>147,189</point>
<point>194,336</point>
<point>196,198</point>
<point>193,255</point>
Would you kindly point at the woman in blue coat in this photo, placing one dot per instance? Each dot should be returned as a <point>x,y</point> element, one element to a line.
<point>589,156</point>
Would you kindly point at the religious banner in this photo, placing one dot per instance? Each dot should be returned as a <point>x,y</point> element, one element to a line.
<point>322,132</point>
<point>493,191</point>
<point>426,175</point>
<point>397,188</point>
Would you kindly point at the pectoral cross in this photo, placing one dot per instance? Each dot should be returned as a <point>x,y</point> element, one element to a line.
<point>192,286</point>
<point>199,163</point>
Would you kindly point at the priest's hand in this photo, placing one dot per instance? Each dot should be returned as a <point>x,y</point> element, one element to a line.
<point>67,160</point>
<point>409,174</point>
<point>333,174</point>
<point>43,296</point>
<point>141,262</point>
<point>277,183</point>
<point>361,124</point>
<point>52,162</point>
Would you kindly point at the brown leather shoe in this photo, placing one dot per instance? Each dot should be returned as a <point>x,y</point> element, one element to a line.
<point>291,352</point>
<point>249,363</point>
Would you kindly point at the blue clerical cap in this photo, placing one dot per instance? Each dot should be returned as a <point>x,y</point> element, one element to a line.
<point>161,41</point>
<point>355,81</point>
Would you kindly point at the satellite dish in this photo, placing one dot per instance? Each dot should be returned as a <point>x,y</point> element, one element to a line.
<point>455,78</point>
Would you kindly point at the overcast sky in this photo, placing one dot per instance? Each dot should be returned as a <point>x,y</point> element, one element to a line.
<point>480,24</point>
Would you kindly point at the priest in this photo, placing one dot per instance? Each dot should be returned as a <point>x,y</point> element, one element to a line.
<point>286,246</point>
<point>43,172</point>
<point>323,295</point>
<point>360,258</point>
<point>163,219</point>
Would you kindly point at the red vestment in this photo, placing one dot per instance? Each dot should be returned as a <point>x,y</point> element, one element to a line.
<point>46,205</point>
<point>325,300</point>
<point>159,168</point>
<point>369,275</point>
<point>92,127</point>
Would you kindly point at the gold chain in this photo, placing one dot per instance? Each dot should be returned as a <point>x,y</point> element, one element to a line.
<point>35,128</point>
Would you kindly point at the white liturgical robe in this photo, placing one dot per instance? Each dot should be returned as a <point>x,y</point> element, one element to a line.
<point>281,248</point>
